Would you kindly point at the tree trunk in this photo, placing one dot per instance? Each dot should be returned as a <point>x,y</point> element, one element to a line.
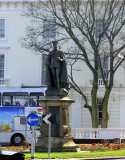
<point>105,108</point>
<point>94,102</point>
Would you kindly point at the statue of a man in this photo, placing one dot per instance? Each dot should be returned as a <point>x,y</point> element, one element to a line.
<point>56,69</point>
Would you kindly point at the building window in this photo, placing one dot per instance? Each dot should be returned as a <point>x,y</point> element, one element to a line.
<point>104,63</point>
<point>105,67</point>
<point>44,58</point>
<point>2,28</point>
<point>49,29</point>
<point>99,29</point>
<point>1,66</point>
<point>99,104</point>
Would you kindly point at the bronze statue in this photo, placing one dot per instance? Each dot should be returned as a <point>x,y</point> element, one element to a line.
<point>56,77</point>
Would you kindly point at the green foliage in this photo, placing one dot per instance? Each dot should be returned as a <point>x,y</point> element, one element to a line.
<point>77,155</point>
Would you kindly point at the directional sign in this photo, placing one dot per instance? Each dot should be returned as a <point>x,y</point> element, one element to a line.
<point>45,119</point>
<point>32,119</point>
<point>48,119</point>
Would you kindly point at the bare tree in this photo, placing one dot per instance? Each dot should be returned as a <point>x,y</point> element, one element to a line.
<point>94,27</point>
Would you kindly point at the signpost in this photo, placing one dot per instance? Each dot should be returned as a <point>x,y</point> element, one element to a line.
<point>32,120</point>
<point>49,119</point>
<point>46,120</point>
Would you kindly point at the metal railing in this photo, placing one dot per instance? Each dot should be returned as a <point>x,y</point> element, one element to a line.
<point>97,133</point>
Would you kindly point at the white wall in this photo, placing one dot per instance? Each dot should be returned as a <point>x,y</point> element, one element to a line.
<point>22,65</point>
<point>122,109</point>
<point>75,110</point>
<point>122,113</point>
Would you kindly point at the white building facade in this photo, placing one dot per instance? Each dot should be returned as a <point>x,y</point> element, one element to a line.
<point>22,67</point>
<point>17,68</point>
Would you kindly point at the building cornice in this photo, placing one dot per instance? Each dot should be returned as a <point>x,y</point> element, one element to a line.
<point>17,6</point>
<point>11,6</point>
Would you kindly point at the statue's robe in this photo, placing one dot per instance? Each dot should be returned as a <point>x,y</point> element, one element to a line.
<point>52,62</point>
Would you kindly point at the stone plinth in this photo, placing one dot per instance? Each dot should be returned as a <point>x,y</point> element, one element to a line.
<point>61,140</point>
<point>58,144</point>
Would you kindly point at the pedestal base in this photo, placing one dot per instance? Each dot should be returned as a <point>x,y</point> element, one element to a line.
<point>61,140</point>
<point>58,144</point>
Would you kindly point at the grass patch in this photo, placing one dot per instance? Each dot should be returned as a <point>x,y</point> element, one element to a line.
<point>77,155</point>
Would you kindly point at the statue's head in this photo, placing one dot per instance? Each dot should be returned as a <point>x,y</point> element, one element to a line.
<point>55,45</point>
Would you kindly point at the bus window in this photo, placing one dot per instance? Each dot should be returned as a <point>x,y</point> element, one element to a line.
<point>15,99</point>
<point>34,96</point>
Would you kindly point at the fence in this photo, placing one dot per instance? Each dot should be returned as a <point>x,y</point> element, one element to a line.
<point>97,133</point>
